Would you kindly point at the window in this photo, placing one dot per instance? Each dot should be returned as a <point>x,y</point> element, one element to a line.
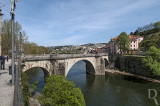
<point>134,45</point>
<point>131,45</point>
<point>134,41</point>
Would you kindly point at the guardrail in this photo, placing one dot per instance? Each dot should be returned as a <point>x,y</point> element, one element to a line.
<point>18,96</point>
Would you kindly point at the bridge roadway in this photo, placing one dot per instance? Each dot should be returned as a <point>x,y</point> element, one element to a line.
<point>60,64</point>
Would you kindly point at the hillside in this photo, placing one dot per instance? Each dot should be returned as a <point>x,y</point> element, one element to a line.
<point>151,40</point>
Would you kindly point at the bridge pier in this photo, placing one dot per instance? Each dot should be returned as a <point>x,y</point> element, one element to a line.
<point>58,68</point>
<point>100,66</point>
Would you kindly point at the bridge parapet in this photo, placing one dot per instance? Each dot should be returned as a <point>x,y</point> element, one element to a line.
<point>60,56</point>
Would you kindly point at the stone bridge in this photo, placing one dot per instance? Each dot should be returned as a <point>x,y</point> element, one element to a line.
<point>60,64</point>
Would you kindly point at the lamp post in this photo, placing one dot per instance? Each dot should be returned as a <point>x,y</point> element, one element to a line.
<point>0,33</point>
<point>12,32</point>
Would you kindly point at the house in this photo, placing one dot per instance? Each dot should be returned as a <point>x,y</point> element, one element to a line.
<point>113,46</point>
<point>134,44</point>
<point>105,49</point>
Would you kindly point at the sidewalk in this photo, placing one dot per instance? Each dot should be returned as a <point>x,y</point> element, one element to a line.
<point>6,88</point>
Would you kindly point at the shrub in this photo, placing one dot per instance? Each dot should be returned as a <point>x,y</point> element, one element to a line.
<point>59,91</point>
<point>25,88</point>
<point>152,61</point>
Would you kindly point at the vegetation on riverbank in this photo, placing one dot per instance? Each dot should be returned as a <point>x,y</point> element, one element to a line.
<point>152,60</point>
<point>60,92</point>
<point>151,34</point>
<point>27,89</point>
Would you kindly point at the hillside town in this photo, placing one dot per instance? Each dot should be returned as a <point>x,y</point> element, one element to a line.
<point>111,47</point>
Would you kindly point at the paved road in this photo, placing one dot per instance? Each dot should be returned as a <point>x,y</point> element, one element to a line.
<point>6,89</point>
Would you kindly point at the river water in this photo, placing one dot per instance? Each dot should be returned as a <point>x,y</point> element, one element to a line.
<point>108,90</point>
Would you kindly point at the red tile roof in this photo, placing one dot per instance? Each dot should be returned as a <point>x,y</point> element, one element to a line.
<point>98,50</point>
<point>130,36</point>
<point>134,36</point>
<point>115,37</point>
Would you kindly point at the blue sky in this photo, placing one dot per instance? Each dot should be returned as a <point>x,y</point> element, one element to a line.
<point>74,22</point>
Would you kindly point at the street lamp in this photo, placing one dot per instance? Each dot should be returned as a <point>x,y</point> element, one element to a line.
<point>13,5</point>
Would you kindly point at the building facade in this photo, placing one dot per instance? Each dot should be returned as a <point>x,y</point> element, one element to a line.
<point>134,44</point>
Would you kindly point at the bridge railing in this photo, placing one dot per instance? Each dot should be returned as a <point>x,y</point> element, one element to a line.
<point>59,56</point>
<point>18,96</point>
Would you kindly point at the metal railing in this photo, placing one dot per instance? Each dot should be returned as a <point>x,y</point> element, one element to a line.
<point>18,96</point>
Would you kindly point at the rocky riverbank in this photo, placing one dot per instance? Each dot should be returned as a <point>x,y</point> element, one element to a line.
<point>113,71</point>
<point>133,65</point>
<point>33,101</point>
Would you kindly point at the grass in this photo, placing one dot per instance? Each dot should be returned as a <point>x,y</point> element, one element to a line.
<point>134,55</point>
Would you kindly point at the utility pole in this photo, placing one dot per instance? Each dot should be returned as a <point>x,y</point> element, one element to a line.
<point>13,5</point>
<point>20,44</point>
<point>0,33</point>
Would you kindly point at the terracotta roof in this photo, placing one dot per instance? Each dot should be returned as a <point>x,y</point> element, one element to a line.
<point>130,36</point>
<point>98,50</point>
<point>135,36</point>
<point>115,37</point>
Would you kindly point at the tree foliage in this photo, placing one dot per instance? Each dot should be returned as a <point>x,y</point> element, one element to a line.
<point>60,92</point>
<point>153,40</point>
<point>148,29</point>
<point>33,48</point>
<point>25,88</point>
<point>123,41</point>
<point>152,61</point>
<point>6,36</point>
<point>29,48</point>
<point>146,44</point>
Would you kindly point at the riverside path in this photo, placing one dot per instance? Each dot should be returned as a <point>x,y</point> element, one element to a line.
<point>6,88</point>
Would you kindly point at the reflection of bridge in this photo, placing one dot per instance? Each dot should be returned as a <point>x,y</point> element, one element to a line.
<point>60,64</point>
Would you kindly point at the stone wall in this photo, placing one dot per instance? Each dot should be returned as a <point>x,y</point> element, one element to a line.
<point>134,65</point>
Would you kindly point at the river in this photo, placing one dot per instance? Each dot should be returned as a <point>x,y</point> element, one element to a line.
<point>108,90</point>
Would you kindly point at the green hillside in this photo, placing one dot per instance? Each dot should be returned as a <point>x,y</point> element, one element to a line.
<point>151,34</point>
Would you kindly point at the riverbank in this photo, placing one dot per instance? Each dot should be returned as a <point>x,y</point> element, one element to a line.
<point>131,75</point>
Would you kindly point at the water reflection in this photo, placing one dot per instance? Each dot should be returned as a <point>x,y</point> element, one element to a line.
<point>36,74</point>
<point>111,90</point>
<point>108,90</point>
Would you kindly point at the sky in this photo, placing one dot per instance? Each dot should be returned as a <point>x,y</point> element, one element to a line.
<point>75,22</point>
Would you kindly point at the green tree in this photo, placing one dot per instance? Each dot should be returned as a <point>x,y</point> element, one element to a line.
<point>146,44</point>
<point>152,60</point>
<point>157,25</point>
<point>131,33</point>
<point>123,41</point>
<point>25,88</point>
<point>6,35</point>
<point>60,92</point>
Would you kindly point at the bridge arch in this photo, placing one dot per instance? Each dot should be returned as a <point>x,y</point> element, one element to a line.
<point>106,63</point>
<point>44,65</point>
<point>46,73</point>
<point>90,67</point>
